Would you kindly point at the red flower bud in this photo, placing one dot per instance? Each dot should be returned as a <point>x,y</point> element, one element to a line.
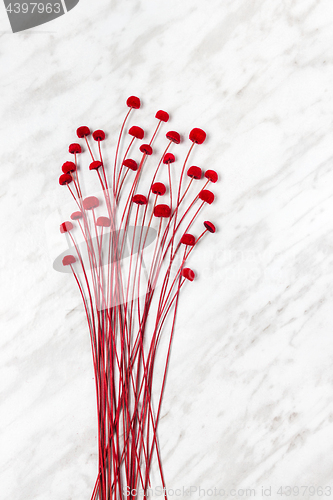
<point>211,175</point>
<point>169,158</point>
<point>158,188</point>
<point>74,148</point>
<point>99,135</point>
<point>90,202</point>
<point>206,196</point>
<point>82,132</point>
<point>145,148</point>
<point>139,199</point>
<point>194,172</point>
<point>133,102</point>
<point>68,260</point>
<point>68,166</point>
<point>173,136</point>
<point>162,211</point>
<point>103,222</point>
<point>94,165</point>
<point>65,179</point>
<point>162,115</point>
<point>188,239</point>
<point>66,226</point>
<point>188,273</point>
<point>76,215</point>
<point>197,135</point>
<point>137,132</point>
<point>132,164</point>
<point>209,226</point>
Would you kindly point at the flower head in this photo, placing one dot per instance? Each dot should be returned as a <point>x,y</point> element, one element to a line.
<point>194,172</point>
<point>90,202</point>
<point>197,135</point>
<point>133,102</point>
<point>162,115</point>
<point>74,148</point>
<point>83,132</point>
<point>207,196</point>
<point>173,136</point>
<point>99,135</point>
<point>188,273</point>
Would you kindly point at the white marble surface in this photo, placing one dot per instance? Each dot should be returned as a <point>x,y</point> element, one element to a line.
<point>249,393</point>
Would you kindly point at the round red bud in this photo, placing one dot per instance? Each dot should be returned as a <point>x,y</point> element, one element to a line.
<point>66,226</point>
<point>103,222</point>
<point>68,260</point>
<point>133,102</point>
<point>65,179</point>
<point>137,132</point>
<point>94,165</point>
<point>76,215</point>
<point>90,202</point>
<point>162,115</point>
<point>194,172</point>
<point>74,148</point>
<point>146,149</point>
<point>82,132</point>
<point>139,199</point>
<point>209,226</point>
<point>197,135</point>
<point>132,164</point>
<point>211,175</point>
<point>206,196</point>
<point>173,136</point>
<point>188,239</point>
<point>188,273</point>
<point>162,211</point>
<point>99,135</point>
<point>158,188</point>
<point>169,158</point>
<point>68,167</point>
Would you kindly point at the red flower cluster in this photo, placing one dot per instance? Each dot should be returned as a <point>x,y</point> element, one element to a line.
<point>117,227</point>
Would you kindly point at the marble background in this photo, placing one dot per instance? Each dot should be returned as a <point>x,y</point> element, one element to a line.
<point>249,394</point>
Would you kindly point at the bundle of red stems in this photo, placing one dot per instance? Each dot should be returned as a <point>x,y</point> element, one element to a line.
<point>131,299</point>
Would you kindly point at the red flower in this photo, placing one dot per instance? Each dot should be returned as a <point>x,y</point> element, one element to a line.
<point>211,175</point>
<point>188,273</point>
<point>90,202</point>
<point>68,167</point>
<point>139,199</point>
<point>94,165</point>
<point>158,188</point>
<point>173,136</point>
<point>65,179</point>
<point>83,132</point>
<point>133,102</point>
<point>68,260</point>
<point>103,222</point>
<point>99,135</point>
<point>197,135</point>
<point>74,148</point>
<point>76,215</point>
<point>147,149</point>
<point>206,196</point>
<point>188,239</point>
<point>132,164</point>
<point>194,172</point>
<point>66,226</point>
<point>209,226</point>
<point>162,211</point>
<point>137,132</point>
<point>169,158</point>
<point>162,115</point>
